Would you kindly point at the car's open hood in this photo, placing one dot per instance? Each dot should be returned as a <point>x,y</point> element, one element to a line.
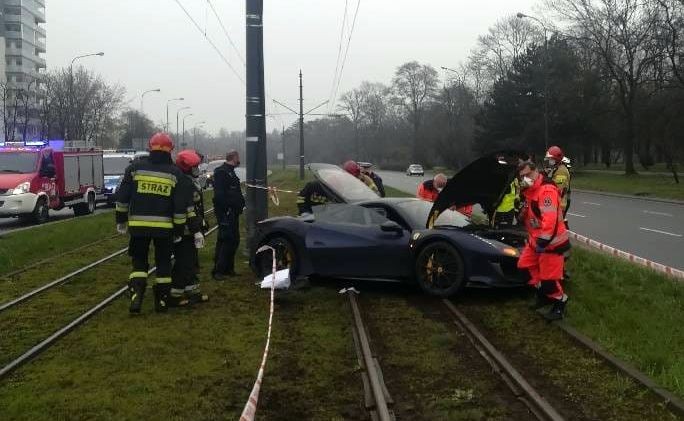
<point>340,185</point>
<point>483,181</point>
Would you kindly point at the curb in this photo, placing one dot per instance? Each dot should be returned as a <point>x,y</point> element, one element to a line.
<point>658,267</point>
<point>628,196</point>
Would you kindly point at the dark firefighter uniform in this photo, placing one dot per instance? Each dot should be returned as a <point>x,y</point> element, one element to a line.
<point>153,201</point>
<point>185,280</point>
<point>313,194</point>
<point>547,241</point>
<point>228,204</point>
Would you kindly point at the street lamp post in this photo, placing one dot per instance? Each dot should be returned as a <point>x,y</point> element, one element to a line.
<point>71,87</point>
<point>546,76</point>
<point>142,99</point>
<point>167,110</point>
<point>177,116</point>
<point>194,141</point>
<point>184,117</point>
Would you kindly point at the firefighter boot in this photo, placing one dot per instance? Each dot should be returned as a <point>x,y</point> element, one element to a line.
<point>557,312</point>
<point>136,288</point>
<point>161,297</point>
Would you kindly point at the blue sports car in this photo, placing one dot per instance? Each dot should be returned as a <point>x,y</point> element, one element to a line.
<point>364,237</point>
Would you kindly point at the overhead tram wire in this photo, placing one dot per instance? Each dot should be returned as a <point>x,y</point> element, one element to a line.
<point>339,54</point>
<point>206,37</point>
<point>346,51</point>
<point>225,31</point>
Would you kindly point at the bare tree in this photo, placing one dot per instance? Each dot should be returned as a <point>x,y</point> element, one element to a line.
<point>622,33</point>
<point>415,85</point>
<point>352,103</point>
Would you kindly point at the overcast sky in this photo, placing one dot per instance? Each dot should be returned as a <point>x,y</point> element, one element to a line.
<point>152,44</point>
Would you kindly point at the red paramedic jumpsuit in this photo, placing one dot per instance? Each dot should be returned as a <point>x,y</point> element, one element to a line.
<point>548,237</point>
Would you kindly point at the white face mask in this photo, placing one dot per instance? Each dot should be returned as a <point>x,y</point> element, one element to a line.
<point>526,182</point>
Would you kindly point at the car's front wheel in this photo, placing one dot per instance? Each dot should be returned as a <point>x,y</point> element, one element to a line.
<point>440,270</point>
<point>286,257</point>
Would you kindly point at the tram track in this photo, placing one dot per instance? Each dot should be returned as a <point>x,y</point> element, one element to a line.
<point>62,331</point>
<point>66,278</point>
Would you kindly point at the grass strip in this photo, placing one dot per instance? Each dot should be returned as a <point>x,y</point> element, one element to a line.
<point>658,186</point>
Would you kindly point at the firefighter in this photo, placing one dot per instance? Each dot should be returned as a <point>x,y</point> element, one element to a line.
<point>185,288</point>
<point>313,194</point>
<point>229,204</point>
<point>366,168</point>
<point>354,169</point>
<point>547,239</point>
<point>151,205</point>
<point>429,190</point>
<point>556,170</point>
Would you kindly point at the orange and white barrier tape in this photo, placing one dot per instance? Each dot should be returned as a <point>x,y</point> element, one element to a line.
<point>658,267</point>
<point>272,192</point>
<point>249,412</point>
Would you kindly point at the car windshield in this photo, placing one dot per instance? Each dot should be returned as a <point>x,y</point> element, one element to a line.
<point>417,212</point>
<point>116,165</point>
<point>18,162</point>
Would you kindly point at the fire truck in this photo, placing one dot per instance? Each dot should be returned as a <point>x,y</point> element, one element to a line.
<point>52,176</point>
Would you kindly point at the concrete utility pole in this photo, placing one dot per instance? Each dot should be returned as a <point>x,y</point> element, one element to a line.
<point>257,199</point>
<point>282,139</point>
<point>301,127</point>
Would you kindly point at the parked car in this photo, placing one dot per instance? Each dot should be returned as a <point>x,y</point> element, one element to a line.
<point>364,237</point>
<point>115,165</point>
<point>415,169</point>
<point>206,177</point>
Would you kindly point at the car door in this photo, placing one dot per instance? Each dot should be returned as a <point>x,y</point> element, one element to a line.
<point>347,241</point>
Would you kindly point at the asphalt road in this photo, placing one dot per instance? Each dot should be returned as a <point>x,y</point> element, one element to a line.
<point>648,229</point>
<point>12,224</point>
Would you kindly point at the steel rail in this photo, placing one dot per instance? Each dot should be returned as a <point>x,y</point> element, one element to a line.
<point>12,303</point>
<point>539,406</point>
<point>376,383</point>
<point>55,257</point>
<point>50,340</point>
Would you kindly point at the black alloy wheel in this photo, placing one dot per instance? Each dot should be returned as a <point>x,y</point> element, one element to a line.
<point>440,270</point>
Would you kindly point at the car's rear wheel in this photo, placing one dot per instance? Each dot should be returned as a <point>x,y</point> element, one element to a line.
<point>440,270</point>
<point>286,257</point>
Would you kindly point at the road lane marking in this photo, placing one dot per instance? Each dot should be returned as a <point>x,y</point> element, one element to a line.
<point>592,203</point>
<point>577,215</point>
<point>660,232</point>
<point>658,213</point>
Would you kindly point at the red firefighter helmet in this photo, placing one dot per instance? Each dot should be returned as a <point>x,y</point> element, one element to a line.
<point>161,142</point>
<point>188,159</point>
<point>352,168</point>
<point>556,153</point>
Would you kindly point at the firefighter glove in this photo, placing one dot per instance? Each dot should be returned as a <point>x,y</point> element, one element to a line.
<point>122,228</point>
<point>199,240</point>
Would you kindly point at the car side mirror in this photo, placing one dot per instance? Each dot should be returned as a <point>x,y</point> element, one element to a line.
<point>391,226</point>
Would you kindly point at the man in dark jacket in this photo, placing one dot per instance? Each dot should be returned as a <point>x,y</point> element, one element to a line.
<point>151,205</point>
<point>228,205</point>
